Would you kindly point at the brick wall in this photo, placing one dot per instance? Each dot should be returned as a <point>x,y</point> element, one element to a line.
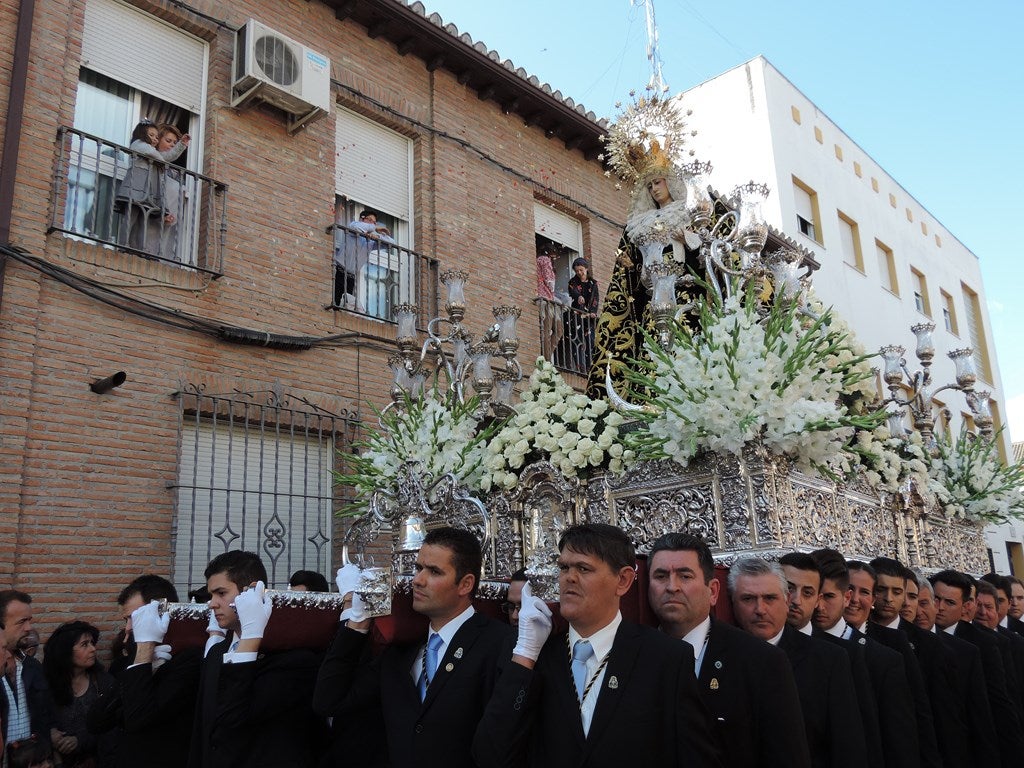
<point>84,498</point>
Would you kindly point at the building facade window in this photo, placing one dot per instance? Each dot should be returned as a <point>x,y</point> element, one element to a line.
<point>849,236</point>
<point>976,332</point>
<point>255,473</point>
<point>374,266</point>
<point>920,285</point>
<point>949,313</point>
<point>135,67</point>
<point>808,216</point>
<point>886,267</point>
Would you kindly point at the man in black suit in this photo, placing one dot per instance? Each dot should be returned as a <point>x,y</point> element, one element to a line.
<point>253,708</point>
<point>746,685</point>
<point>22,680</point>
<point>1010,645</point>
<point>887,699</point>
<point>608,692</point>
<point>1007,626</point>
<point>952,590</point>
<point>832,721</point>
<point>430,695</point>
<point>1015,612</point>
<point>874,610</point>
<point>155,696</point>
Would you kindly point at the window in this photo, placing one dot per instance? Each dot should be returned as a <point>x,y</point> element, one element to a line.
<point>567,333</point>
<point>254,474</point>
<point>373,172</point>
<point>135,66</point>
<point>920,285</point>
<point>849,236</point>
<point>976,332</point>
<point>948,313</point>
<point>886,267</point>
<point>808,218</point>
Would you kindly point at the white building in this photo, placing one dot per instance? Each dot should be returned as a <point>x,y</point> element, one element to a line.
<point>886,262</point>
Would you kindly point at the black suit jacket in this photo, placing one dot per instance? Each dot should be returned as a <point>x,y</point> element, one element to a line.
<point>1005,715</point>
<point>648,711</point>
<point>37,695</point>
<point>258,713</point>
<point>866,687</point>
<point>968,681</point>
<point>828,699</point>
<point>927,740</point>
<point>748,689</point>
<point>1015,625</point>
<point>437,731</point>
<point>1013,658</point>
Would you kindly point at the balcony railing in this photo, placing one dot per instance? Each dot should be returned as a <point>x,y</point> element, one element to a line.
<point>373,274</point>
<point>573,349</point>
<point>163,212</point>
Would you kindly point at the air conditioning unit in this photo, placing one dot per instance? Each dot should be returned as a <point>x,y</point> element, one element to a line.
<point>273,69</point>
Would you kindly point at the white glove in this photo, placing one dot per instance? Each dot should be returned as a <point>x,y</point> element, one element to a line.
<point>161,654</point>
<point>148,626</point>
<point>253,609</point>
<point>349,578</point>
<point>534,625</point>
<point>356,612</point>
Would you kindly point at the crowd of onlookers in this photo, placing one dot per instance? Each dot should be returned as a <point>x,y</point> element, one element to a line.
<point>822,662</point>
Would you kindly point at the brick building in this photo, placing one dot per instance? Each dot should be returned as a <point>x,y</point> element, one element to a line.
<point>247,359</point>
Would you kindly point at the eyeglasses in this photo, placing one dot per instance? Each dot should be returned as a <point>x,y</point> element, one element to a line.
<point>511,608</point>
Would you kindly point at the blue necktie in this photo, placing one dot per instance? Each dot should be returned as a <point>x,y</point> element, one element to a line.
<point>429,663</point>
<point>581,651</point>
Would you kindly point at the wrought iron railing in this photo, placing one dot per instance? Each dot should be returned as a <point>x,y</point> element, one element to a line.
<point>573,349</point>
<point>169,213</point>
<point>373,275</point>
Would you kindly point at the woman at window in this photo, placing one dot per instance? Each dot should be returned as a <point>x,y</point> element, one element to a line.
<point>140,192</point>
<point>75,679</point>
<point>164,229</point>
<point>584,295</point>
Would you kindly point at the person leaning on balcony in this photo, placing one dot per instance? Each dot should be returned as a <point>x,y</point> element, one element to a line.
<point>164,229</point>
<point>550,310</point>
<point>352,253</point>
<point>585,299</point>
<point>140,192</point>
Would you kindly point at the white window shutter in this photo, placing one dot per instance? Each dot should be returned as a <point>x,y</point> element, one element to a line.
<point>557,226</point>
<point>146,53</point>
<point>373,165</point>
<point>802,201</point>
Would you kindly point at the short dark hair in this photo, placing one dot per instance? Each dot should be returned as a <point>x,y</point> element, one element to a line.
<point>242,568</point>
<point>954,579</point>
<point>368,212</point>
<point>860,565</point>
<point>802,562</point>
<point>57,658</point>
<point>311,580</point>
<point>608,543</point>
<point>465,549</point>
<point>988,588</point>
<point>999,582</point>
<point>887,566</point>
<point>8,596</point>
<point>519,575</point>
<point>686,542</point>
<point>149,587</point>
<point>139,132</point>
<point>912,575</point>
<point>834,570</point>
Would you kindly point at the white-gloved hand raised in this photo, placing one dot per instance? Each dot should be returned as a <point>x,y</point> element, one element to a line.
<point>253,609</point>
<point>148,626</point>
<point>534,625</point>
<point>349,578</point>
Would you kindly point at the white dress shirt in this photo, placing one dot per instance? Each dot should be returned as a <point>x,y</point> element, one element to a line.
<point>698,638</point>
<point>601,641</point>
<point>841,629</point>
<point>446,633</point>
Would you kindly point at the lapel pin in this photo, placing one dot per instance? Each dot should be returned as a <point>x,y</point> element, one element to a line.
<point>863,641</point>
<point>714,684</point>
<point>449,667</point>
<point>458,653</point>
<point>718,664</point>
<point>613,682</point>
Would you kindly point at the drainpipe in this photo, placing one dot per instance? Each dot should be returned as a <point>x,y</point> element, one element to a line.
<point>12,133</point>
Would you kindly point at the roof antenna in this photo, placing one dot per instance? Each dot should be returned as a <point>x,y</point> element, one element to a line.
<point>656,84</point>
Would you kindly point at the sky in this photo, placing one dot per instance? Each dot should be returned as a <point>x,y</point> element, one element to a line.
<point>932,91</point>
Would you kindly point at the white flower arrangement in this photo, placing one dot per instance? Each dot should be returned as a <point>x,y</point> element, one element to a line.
<point>890,463</point>
<point>798,385</point>
<point>433,431</point>
<point>556,423</point>
<point>972,483</point>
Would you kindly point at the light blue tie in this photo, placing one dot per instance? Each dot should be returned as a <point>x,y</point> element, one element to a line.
<point>429,663</point>
<point>581,651</point>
